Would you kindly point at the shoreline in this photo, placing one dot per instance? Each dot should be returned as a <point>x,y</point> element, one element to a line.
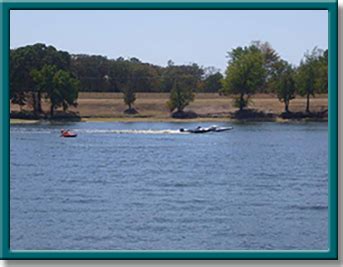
<point>166,120</point>
<point>151,107</point>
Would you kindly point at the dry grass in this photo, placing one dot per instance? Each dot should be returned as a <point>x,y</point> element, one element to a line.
<point>153,105</point>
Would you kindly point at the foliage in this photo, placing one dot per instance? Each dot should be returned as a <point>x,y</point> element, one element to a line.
<point>271,60</point>
<point>58,85</point>
<point>136,77</point>
<point>129,96</point>
<point>285,83</point>
<point>322,78</point>
<point>25,59</point>
<point>251,69</point>
<point>245,74</point>
<point>212,83</point>
<point>181,94</point>
<point>312,75</point>
<point>192,73</point>
<point>144,78</point>
<point>92,71</point>
<point>119,74</point>
<point>66,89</point>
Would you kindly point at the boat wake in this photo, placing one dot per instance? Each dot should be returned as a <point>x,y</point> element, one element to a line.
<point>98,131</point>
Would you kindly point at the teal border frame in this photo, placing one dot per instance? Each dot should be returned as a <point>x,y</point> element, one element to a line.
<point>331,253</point>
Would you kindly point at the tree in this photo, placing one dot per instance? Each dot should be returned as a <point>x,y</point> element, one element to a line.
<point>309,79</point>
<point>136,77</point>
<point>66,90</point>
<point>245,74</point>
<point>119,74</point>
<point>25,59</point>
<point>172,72</point>
<point>306,81</point>
<point>92,71</point>
<point>17,92</point>
<point>129,97</point>
<point>213,83</point>
<point>271,60</point>
<point>60,87</point>
<point>322,78</point>
<point>181,94</point>
<point>144,78</point>
<point>44,81</point>
<point>285,84</point>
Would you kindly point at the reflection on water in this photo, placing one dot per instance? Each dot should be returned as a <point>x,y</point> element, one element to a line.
<point>146,186</point>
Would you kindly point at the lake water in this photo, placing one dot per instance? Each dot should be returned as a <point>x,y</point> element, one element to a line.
<point>145,186</point>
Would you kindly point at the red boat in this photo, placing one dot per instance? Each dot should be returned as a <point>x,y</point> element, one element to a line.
<point>67,133</point>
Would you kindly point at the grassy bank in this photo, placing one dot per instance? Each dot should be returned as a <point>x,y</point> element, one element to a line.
<point>152,107</point>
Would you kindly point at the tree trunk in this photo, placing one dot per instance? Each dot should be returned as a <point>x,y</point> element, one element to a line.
<point>129,106</point>
<point>286,106</point>
<point>39,102</point>
<point>34,102</point>
<point>241,102</point>
<point>52,111</point>
<point>308,104</point>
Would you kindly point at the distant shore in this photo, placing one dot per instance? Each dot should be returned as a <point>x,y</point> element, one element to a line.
<point>208,107</point>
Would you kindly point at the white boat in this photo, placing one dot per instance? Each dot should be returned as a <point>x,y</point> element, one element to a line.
<point>200,129</point>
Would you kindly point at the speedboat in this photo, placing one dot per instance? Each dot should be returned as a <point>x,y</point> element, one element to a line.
<point>222,129</point>
<point>67,133</point>
<point>212,128</point>
<point>200,129</point>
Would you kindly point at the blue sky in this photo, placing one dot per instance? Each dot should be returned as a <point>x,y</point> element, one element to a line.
<point>184,36</point>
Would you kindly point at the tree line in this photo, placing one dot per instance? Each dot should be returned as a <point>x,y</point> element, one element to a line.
<point>258,68</point>
<point>40,72</point>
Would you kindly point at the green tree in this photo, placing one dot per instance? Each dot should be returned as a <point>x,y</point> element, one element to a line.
<point>99,74</point>
<point>17,92</point>
<point>192,73</point>
<point>245,74</point>
<point>25,59</point>
<point>129,97</point>
<point>66,90</point>
<point>135,77</point>
<point>93,72</point>
<point>271,60</point>
<point>285,84</point>
<point>119,74</point>
<point>309,78</point>
<point>181,94</point>
<point>212,80</point>
<point>60,87</point>
<point>322,78</point>
<point>44,81</point>
<point>144,78</point>
<point>213,83</point>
